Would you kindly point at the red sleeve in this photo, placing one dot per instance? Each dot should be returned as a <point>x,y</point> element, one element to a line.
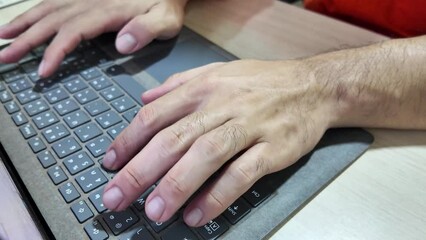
<point>396,18</point>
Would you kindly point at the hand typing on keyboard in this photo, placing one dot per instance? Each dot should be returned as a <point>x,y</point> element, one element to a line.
<point>190,130</point>
<point>71,21</point>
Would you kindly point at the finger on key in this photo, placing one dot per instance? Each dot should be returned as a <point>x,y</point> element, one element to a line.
<point>24,21</point>
<point>150,119</point>
<point>233,182</point>
<point>84,26</point>
<point>158,156</point>
<point>37,34</point>
<point>177,80</point>
<point>208,153</point>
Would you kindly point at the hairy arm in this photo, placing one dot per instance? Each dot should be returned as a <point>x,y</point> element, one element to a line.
<point>382,85</point>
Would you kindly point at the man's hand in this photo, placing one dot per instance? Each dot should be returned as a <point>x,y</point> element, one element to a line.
<point>271,113</point>
<point>72,21</point>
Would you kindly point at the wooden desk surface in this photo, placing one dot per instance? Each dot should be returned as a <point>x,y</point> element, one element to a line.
<point>382,195</point>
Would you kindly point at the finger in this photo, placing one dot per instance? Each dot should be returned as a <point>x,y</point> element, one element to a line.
<point>234,181</point>
<point>205,157</point>
<point>141,30</point>
<point>37,34</point>
<point>27,19</point>
<point>158,156</point>
<point>84,26</point>
<point>177,80</point>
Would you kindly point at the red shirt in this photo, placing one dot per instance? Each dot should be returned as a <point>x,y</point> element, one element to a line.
<point>395,18</point>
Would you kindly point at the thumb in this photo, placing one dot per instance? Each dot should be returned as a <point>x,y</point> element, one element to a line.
<point>142,29</point>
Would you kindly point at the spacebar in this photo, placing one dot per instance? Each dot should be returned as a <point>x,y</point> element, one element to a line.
<point>130,86</point>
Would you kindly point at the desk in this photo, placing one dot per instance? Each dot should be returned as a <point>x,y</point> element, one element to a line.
<point>382,195</point>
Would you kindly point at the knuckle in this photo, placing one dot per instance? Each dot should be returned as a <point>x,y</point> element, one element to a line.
<point>147,116</point>
<point>216,201</point>
<point>243,173</point>
<point>175,187</point>
<point>123,140</point>
<point>211,146</point>
<point>134,178</point>
<point>171,142</point>
<point>236,135</point>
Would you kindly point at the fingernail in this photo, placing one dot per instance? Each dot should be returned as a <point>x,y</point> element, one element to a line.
<point>194,217</point>
<point>126,43</point>
<point>112,198</point>
<point>155,208</point>
<point>41,68</point>
<point>109,159</point>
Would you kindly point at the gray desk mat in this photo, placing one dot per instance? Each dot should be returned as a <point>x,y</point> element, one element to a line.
<point>299,183</point>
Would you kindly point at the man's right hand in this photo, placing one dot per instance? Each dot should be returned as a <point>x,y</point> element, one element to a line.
<point>72,21</point>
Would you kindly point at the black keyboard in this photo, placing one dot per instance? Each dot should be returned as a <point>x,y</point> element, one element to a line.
<point>70,119</point>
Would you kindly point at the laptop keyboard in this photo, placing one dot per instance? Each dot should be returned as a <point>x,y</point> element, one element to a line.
<point>69,121</point>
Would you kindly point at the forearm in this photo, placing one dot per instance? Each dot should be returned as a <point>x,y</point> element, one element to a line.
<point>382,85</point>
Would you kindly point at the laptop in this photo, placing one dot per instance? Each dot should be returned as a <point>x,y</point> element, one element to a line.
<point>54,133</point>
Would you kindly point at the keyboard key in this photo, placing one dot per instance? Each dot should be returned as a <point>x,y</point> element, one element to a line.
<point>95,230</point>
<point>96,199</point>
<point>179,231</point>
<point>78,162</point>
<point>30,66</point>
<point>66,106</point>
<point>36,107</point>
<point>91,179</point>
<point>88,132</point>
<point>5,96</point>
<point>213,229</point>
<point>100,83</point>
<point>237,211</point>
<point>20,85</point>
<point>45,85</point>
<point>81,211</point>
<point>97,107</point>
<point>55,133</point>
<point>8,67</point>
<point>116,130</point>
<point>111,93</point>
<point>13,75</point>
<point>45,119</point>
<point>36,144</point>
<point>57,175</point>
<point>34,77</point>
<point>159,226</point>
<point>46,159</point>
<point>138,233</point>
<point>119,222</point>
<point>27,96</point>
<point>129,115</point>
<point>75,85</point>
<point>66,147</point>
<point>12,107</point>
<point>108,119</point>
<point>76,119</point>
<point>123,104</point>
<point>85,96</point>
<point>139,204</point>
<point>68,192</point>
<point>56,95</point>
<point>19,118</point>
<point>258,193</point>
<point>129,85</point>
<point>98,146</point>
<point>27,131</point>
<point>2,87</point>
<point>91,73</point>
